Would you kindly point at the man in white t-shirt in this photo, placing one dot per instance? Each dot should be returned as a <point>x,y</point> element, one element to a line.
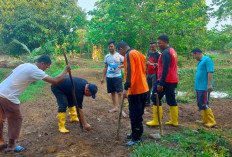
<point>12,87</point>
<point>113,72</point>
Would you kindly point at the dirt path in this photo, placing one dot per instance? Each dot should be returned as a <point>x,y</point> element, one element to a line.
<point>40,131</point>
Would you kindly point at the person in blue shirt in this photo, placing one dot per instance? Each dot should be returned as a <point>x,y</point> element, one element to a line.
<point>204,85</point>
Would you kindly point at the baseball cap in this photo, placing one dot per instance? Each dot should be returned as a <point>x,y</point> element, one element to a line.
<point>93,90</point>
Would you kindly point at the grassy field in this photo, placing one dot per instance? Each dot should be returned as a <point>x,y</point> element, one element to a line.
<point>187,143</point>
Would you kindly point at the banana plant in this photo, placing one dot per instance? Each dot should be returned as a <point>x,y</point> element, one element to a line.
<point>35,51</point>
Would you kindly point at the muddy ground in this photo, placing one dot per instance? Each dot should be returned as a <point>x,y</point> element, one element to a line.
<point>40,136</point>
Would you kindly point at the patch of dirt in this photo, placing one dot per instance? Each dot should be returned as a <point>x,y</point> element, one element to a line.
<point>40,135</point>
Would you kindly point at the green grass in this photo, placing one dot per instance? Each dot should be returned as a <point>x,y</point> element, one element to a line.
<point>4,72</point>
<point>221,82</point>
<point>102,66</point>
<point>187,142</point>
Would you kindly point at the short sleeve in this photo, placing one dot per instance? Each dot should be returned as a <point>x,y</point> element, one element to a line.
<point>38,74</point>
<point>209,65</point>
<point>105,59</point>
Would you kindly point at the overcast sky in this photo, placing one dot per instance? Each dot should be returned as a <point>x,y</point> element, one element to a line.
<point>88,5</point>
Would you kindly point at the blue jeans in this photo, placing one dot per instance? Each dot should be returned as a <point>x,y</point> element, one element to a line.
<point>62,99</point>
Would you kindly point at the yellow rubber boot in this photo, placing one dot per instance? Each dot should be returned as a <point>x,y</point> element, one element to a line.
<point>204,118</point>
<point>210,118</point>
<point>61,122</point>
<point>155,121</point>
<point>173,116</point>
<point>73,114</point>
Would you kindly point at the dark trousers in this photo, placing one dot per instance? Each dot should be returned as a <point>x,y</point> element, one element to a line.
<point>168,91</point>
<point>62,99</point>
<point>203,99</point>
<point>136,111</point>
<point>151,82</point>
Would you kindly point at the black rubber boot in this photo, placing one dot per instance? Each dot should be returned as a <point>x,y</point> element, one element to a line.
<point>137,131</point>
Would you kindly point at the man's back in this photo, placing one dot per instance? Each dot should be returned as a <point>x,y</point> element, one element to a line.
<point>21,77</point>
<point>135,71</point>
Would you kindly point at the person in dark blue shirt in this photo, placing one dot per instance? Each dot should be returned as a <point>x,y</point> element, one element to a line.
<point>64,97</point>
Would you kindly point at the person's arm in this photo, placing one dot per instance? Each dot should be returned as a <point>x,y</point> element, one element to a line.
<point>166,60</point>
<point>104,73</point>
<point>210,78</point>
<point>83,121</point>
<point>129,71</point>
<point>59,78</point>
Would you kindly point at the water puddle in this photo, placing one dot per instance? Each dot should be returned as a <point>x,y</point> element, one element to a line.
<point>213,94</point>
<point>179,93</point>
<point>216,94</point>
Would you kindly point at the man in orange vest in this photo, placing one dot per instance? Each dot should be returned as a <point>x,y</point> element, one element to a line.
<point>135,88</point>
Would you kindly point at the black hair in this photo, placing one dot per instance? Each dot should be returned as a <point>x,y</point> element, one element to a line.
<point>111,42</point>
<point>45,59</point>
<point>122,44</point>
<point>196,50</point>
<point>153,42</point>
<point>163,38</point>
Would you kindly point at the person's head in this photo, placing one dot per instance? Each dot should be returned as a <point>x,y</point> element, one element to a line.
<point>163,41</point>
<point>91,90</point>
<point>122,47</point>
<point>153,46</point>
<point>43,62</point>
<point>197,53</point>
<point>111,46</point>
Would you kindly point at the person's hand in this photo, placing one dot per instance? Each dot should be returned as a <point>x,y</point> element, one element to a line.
<point>155,64</point>
<point>121,66</point>
<point>68,68</point>
<point>102,80</point>
<point>87,127</point>
<point>160,88</point>
<point>125,94</point>
<point>209,87</point>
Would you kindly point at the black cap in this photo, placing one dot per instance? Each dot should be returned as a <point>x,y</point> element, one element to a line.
<point>196,50</point>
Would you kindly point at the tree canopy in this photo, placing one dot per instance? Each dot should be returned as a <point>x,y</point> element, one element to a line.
<point>138,22</point>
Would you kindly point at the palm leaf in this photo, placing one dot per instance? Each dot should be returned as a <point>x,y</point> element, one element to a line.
<point>23,45</point>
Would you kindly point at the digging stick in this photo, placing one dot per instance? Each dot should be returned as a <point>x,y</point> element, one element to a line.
<point>119,119</point>
<point>158,112</point>
<point>73,90</point>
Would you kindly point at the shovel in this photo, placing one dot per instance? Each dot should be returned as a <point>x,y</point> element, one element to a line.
<point>73,90</point>
<point>119,119</point>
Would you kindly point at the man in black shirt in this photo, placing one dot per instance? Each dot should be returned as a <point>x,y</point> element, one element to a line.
<point>64,96</point>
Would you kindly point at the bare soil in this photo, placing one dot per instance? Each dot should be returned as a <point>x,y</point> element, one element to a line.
<point>40,135</point>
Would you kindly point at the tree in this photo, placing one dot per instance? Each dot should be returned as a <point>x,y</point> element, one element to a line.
<point>224,9</point>
<point>140,21</point>
<point>35,22</point>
